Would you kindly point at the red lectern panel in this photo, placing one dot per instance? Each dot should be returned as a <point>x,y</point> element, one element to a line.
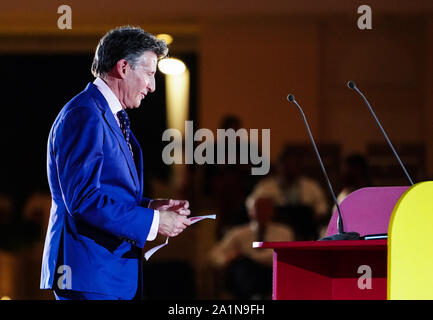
<point>328,269</point>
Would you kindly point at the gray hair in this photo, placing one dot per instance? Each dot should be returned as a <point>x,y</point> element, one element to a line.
<point>127,43</point>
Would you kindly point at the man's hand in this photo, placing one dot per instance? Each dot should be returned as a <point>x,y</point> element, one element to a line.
<point>171,223</point>
<point>179,206</point>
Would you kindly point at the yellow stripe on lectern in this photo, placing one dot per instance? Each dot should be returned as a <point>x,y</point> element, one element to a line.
<point>410,245</point>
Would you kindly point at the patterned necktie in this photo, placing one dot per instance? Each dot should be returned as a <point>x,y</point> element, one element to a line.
<point>125,126</point>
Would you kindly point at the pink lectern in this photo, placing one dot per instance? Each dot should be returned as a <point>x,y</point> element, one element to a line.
<point>329,269</point>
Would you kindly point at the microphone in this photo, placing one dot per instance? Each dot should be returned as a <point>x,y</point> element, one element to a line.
<point>352,85</point>
<point>341,235</point>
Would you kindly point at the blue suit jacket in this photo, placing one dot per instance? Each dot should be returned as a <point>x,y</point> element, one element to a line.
<point>99,219</point>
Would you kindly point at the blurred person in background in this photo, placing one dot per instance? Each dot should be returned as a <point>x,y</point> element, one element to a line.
<point>36,211</point>
<point>247,270</point>
<point>6,220</point>
<point>6,209</point>
<point>301,200</point>
<point>228,184</point>
<point>355,175</point>
<point>22,227</point>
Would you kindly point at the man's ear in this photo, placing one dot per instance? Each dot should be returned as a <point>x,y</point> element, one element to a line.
<point>121,68</point>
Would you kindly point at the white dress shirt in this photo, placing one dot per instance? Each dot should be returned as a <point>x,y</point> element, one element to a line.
<point>115,106</point>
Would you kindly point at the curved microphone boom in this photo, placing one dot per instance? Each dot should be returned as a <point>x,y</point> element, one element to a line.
<point>352,85</point>
<point>341,235</point>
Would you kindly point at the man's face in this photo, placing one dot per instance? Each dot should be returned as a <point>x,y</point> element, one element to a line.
<point>139,81</point>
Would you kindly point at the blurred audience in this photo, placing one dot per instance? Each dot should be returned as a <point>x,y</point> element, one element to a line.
<point>6,209</point>
<point>302,201</point>
<point>22,230</point>
<point>229,184</point>
<point>7,219</point>
<point>355,175</point>
<point>37,212</point>
<point>23,226</point>
<point>248,270</point>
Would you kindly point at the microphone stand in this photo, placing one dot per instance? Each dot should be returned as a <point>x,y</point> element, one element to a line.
<point>352,85</point>
<point>341,235</point>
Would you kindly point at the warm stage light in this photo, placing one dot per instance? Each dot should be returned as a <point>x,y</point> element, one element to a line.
<point>5,298</point>
<point>177,100</point>
<point>171,66</point>
<point>166,37</point>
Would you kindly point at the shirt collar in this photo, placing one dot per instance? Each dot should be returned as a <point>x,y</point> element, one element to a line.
<point>113,101</point>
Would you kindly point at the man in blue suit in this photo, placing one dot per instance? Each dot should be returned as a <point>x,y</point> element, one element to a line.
<point>99,219</point>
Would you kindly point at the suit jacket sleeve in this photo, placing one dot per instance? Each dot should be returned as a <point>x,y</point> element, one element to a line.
<point>78,148</point>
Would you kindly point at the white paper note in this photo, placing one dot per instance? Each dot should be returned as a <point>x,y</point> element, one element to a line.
<point>149,253</point>
<point>199,218</point>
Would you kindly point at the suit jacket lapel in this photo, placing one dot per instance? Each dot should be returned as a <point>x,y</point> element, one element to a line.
<point>112,123</point>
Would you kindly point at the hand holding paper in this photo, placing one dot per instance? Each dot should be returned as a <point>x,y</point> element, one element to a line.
<point>179,206</point>
<point>191,220</point>
<point>171,223</point>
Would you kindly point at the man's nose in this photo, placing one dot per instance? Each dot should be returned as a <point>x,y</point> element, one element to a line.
<point>151,86</point>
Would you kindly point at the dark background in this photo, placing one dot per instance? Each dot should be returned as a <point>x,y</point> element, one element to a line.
<point>38,87</point>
